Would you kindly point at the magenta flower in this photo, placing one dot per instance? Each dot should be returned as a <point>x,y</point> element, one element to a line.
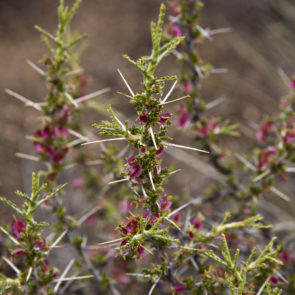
<point>292,84</point>
<point>60,130</point>
<point>142,150</point>
<point>184,117</point>
<point>78,182</point>
<point>289,134</point>
<point>42,245</point>
<point>176,8</point>
<point>187,87</point>
<point>133,170</point>
<point>273,280</point>
<point>84,80</point>
<point>165,118</point>
<point>197,223</point>
<point>264,129</point>
<point>143,117</point>
<point>160,151</point>
<point>165,204</point>
<point>18,252</point>
<point>175,30</point>
<point>17,228</point>
<point>176,217</point>
<point>178,288</point>
<point>38,148</point>
<point>285,257</point>
<point>131,227</point>
<point>140,252</point>
<point>265,156</point>
<point>204,129</point>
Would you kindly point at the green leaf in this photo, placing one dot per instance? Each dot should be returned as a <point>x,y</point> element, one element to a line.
<point>12,205</point>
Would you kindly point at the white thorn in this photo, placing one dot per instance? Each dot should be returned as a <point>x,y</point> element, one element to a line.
<point>215,102</point>
<point>194,201</point>
<point>138,275</point>
<point>263,286</point>
<point>280,194</point>
<point>59,239</point>
<point>28,157</point>
<point>70,98</point>
<point>219,71</point>
<point>74,72</point>
<point>92,95</point>
<point>75,142</point>
<point>35,67</point>
<point>59,281</point>
<point>262,175</point>
<point>248,164</point>
<point>94,162</point>
<point>290,169</point>
<point>153,138</point>
<point>174,100</point>
<point>10,236</point>
<point>154,286</point>
<point>220,31</point>
<point>185,147</point>
<point>84,217</point>
<point>74,278</point>
<point>78,135</point>
<point>11,265</point>
<point>118,181</point>
<point>169,92</point>
<point>129,88</point>
<point>173,223</point>
<point>29,274</point>
<point>104,140</point>
<point>23,99</point>
<point>143,191</point>
<point>151,179</point>
<point>121,124</point>
<point>109,242</point>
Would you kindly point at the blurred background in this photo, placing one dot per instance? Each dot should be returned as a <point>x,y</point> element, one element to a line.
<point>262,40</point>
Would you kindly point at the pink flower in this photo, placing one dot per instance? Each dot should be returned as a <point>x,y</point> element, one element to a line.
<point>175,30</point>
<point>78,182</point>
<point>184,117</point>
<point>131,227</point>
<point>289,134</point>
<point>42,245</point>
<point>165,204</point>
<point>160,151</point>
<point>178,288</point>
<point>285,257</point>
<point>142,150</point>
<point>84,80</point>
<point>292,84</point>
<point>187,87</point>
<point>143,117</point>
<point>60,130</point>
<point>264,129</point>
<point>204,129</point>
<point>18,252</point>
<point>165,118</point>
<point>176,217</point>
<point>133,170</point>
<point>38,148</point>
<point>273,280</point>
<point>17,228</point>
<point>176,8</point>
<point>197,223</point>
<point>264,157</point>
